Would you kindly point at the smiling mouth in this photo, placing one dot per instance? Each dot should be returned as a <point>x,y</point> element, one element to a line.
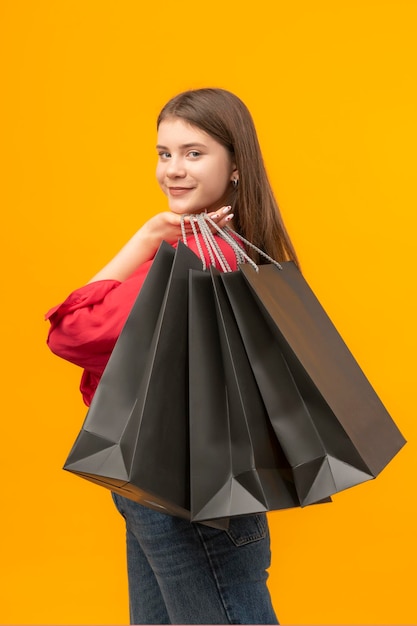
<point>179,191</point>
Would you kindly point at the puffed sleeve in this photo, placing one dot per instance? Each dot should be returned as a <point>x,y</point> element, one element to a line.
<point>85,327</point>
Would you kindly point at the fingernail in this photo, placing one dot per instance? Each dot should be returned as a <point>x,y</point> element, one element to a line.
<point>214,217</point>
<point>227,209</point>
<point>228,218</point>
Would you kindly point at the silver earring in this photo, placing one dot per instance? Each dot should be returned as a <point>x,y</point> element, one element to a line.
<point>235,182</point>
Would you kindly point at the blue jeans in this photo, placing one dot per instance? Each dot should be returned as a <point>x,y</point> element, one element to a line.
<point>184,573</point>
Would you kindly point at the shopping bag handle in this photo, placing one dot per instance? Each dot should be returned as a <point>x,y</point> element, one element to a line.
<point>202,220</point>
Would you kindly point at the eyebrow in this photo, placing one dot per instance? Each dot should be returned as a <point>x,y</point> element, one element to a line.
<point>184,145</point>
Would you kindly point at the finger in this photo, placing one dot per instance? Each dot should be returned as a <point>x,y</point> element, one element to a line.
<point>218,215</point>
<point>221,219</point>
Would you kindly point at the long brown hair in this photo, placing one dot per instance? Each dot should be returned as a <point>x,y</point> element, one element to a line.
<point>226,118</point>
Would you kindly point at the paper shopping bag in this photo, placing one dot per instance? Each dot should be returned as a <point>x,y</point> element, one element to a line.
<point>333,428</point>
<point>134,440</point>
<point>237,465</point>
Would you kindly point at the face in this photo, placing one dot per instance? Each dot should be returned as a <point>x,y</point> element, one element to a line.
<point>194,170</point>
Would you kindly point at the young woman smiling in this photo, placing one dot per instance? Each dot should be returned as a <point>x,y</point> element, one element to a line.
<point>209,160</point>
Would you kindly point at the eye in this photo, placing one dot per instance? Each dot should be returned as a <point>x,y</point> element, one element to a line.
<point>194,154</point>
<point>164,155</point>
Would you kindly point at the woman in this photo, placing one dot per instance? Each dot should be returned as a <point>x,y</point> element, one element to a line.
<point>209,160</point>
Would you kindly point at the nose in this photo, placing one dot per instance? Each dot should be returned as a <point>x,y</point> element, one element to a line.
<point>176,168</point>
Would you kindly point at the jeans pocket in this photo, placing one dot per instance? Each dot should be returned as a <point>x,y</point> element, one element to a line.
<point>247,529</point>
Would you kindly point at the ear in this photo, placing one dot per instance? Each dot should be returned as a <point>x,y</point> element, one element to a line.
<point>235,173</point>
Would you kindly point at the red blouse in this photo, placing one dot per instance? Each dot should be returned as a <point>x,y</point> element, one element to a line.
<point>85,327</point>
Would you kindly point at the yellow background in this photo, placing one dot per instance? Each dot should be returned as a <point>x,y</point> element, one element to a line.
<point>332,88</point>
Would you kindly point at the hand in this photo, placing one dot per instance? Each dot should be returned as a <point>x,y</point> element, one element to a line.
<point>167,226</point>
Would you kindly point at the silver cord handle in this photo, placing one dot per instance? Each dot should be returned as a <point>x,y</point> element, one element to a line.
<point>227,234</point>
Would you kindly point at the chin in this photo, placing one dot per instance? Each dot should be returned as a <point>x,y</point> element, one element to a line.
<point>185,210</point>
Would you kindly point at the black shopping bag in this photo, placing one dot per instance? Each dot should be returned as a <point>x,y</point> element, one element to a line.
<point>332,427</point>
<point>237,465</point>
<point>134,440</point>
